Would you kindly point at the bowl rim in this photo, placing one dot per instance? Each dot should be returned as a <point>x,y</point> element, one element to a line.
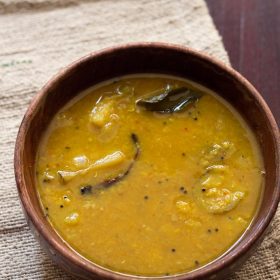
<point>92,268</point>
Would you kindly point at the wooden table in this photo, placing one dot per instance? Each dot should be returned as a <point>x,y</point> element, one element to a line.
<point>251,33</point>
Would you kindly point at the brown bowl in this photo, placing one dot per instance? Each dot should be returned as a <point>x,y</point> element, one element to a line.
<point>145,58</point>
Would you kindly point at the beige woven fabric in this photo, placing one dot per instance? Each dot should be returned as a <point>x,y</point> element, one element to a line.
<point>39,37</point>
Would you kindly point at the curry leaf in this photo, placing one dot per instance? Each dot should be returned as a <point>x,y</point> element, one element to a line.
<point>170,101</point>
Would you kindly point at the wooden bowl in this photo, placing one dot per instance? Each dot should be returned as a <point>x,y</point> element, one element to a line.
<point>145,58</point>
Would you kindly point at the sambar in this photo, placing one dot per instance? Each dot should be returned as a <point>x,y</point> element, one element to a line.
<point>146,190</point>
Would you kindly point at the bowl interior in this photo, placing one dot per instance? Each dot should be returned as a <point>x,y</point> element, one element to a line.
<point>149,58</point>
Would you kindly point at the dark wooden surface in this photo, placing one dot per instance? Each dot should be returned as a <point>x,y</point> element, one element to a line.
<point>251,33</point>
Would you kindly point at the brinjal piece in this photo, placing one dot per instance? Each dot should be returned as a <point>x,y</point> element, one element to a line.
<point>109,182</point>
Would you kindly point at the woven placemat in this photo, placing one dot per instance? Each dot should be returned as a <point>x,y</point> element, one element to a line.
<point>37,38</point>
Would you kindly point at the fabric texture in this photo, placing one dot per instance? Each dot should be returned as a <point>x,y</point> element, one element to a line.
<point>39,37</point>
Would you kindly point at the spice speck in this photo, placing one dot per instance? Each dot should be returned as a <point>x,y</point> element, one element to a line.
<point>86,189</point>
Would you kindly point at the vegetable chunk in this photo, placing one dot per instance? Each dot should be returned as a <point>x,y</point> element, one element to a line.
<point>108,161</point>
<point>101,113</point>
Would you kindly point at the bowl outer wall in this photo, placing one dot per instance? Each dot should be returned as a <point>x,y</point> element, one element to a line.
<point>139,58</point>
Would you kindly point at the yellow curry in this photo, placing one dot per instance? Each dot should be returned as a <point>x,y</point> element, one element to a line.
<point>149,175</point>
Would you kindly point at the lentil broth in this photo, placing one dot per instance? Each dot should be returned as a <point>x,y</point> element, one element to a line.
<point>147,193</point>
